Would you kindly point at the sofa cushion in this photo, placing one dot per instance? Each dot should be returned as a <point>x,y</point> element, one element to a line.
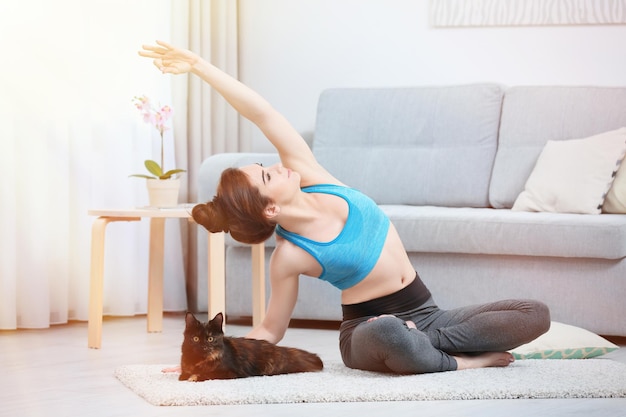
<point>533,115</point>
<point>428,145</point>
<point>505,232</point>
<point>564,341</point>
<point>574,176</point>
<point>615,201</point>
<point>430,229</point>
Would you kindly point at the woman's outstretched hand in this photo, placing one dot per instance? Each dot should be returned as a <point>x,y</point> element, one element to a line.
<point>170,59</point>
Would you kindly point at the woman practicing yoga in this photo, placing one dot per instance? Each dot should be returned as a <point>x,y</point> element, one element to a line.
<point>326,229</point>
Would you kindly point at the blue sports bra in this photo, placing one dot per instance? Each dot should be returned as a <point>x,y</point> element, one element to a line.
<point>347,259</point>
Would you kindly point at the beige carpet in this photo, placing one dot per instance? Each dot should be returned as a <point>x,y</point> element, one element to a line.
<point>585,378</point>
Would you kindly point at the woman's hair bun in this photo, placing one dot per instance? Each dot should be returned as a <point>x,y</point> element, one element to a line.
<point>209,215</point>
<point>238,208</point>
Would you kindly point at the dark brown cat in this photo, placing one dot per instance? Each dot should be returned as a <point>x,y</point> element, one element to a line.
<point>208,354</point>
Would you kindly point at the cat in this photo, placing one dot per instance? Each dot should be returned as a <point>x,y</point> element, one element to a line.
<point>208,354</point>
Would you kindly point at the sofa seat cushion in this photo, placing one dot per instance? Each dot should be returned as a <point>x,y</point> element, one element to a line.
<point>431,229</point>
<point>505,232</point>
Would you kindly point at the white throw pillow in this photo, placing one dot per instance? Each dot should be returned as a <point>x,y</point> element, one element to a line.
<point>574,176</point>
<point>615,201</point>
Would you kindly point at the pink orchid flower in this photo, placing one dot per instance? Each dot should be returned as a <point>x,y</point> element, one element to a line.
<point>158,119</point>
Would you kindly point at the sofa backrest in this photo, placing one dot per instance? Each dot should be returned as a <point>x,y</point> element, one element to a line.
<point>420,146</point>
<point>533,115</point>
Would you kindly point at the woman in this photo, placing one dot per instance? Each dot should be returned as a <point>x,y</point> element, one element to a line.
<point>390,321</point>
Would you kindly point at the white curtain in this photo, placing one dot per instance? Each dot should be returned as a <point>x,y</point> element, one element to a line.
<point>69,138</point>
<point>209,123</point>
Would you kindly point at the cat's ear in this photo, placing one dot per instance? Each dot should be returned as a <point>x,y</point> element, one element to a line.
<point>218,320</point>
<point>190,319</point>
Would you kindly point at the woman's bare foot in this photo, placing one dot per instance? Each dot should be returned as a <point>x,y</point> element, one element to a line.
<point>485,360</point>
<point>175,369</point>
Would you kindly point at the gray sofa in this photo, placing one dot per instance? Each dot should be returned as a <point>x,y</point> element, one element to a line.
<point>446,164</point>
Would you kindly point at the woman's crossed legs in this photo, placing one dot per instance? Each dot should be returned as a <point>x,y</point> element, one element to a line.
<point>428,339</point>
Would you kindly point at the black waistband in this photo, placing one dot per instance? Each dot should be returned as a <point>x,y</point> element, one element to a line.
<point>411,296</point>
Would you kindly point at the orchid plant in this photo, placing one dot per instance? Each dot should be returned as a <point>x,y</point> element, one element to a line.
<point>157,118</point>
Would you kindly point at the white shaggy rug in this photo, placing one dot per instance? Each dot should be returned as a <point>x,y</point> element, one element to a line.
<point>584,378</point>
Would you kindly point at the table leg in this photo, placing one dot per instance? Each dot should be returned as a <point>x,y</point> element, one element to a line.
<point>96,280</point>
<point>216,278</point>
<point>155,274</point>
<point>258,283</point>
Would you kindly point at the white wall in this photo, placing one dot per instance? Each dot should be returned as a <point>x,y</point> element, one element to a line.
<point>291,50</point>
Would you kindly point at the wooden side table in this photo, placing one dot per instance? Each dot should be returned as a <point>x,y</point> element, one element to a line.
<point>216,271</point>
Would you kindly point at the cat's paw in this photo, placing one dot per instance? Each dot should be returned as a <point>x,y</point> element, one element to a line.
<point>188,377</point>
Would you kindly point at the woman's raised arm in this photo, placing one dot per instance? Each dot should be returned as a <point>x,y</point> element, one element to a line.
<point>292,148</point>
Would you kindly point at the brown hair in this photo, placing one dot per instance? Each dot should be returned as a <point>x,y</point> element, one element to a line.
<point>238,208</point>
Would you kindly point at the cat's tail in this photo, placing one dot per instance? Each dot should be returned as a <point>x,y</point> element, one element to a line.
<point>299,360</point>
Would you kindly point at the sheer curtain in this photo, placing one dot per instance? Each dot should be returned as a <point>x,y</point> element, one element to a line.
<point>210,125</point>
<point>69,138</point>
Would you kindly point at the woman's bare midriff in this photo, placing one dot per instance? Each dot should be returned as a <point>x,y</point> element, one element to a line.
<point>392,272</point>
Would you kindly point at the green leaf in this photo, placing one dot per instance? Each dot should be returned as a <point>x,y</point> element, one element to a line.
<point>143,176</point>
<point>171,172</point>
<point>153,168</point>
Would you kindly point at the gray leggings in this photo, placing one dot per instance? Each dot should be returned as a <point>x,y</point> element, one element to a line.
<point>387,344</point>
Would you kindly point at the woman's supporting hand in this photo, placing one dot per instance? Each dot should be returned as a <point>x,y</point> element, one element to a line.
<point>173,369</point>
<point>169,59</point>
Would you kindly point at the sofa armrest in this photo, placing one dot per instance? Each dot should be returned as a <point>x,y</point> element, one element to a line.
<point>212,168</point>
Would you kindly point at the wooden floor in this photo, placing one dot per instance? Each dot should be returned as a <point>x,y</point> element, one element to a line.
<point>53,373</point>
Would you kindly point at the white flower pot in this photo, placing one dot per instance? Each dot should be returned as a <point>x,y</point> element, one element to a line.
<point>163,193</point>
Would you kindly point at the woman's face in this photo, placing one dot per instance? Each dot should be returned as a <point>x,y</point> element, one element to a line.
<point>276,182</point>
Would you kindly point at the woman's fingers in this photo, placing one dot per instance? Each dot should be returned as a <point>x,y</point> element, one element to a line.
<point>152,53</point>
<point>153,48</point>
<point>158,63</point>
<point>164,44</point>
<point>156,53</point>
<point>149,54</point>
<point>167,58</point>
<point>161,49</point>
<point>171,370</point>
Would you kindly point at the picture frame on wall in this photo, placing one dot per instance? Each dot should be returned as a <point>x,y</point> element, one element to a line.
<point>468,13</point>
